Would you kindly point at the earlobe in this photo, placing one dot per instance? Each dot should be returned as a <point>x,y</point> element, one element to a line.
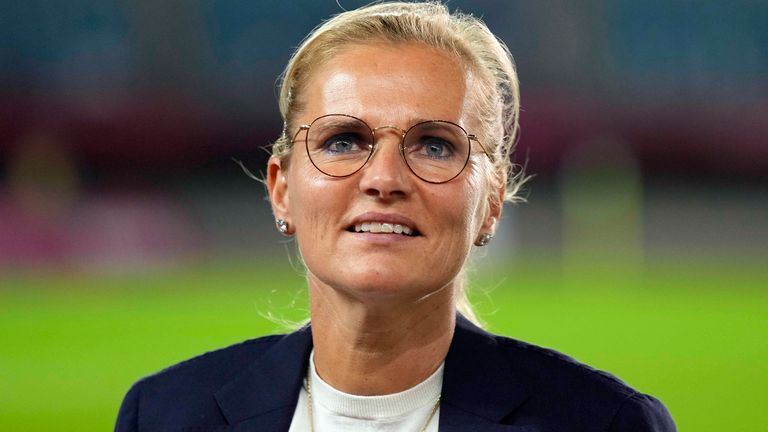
<point>277,187</point>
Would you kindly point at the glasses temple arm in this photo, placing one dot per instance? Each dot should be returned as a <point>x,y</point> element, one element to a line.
<point>301,128</point>
<point>485,149</point>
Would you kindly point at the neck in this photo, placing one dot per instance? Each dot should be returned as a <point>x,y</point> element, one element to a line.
<point>379,347</point>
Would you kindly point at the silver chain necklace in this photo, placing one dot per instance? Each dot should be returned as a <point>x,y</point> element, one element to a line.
<point>312,421</point>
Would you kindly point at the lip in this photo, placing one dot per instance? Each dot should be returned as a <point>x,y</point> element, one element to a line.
<point>384,217</point>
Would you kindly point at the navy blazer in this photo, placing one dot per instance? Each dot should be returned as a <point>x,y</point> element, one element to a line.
<point>491,383</point>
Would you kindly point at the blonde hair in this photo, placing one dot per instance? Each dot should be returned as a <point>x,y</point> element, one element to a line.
<point>496,89</point>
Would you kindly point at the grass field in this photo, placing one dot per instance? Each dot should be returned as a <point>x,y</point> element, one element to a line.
<point>695,335</point>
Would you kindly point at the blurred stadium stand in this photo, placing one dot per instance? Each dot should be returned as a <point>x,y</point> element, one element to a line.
<point>119,123</point>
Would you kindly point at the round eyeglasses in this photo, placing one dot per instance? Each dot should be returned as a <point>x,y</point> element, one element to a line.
<point>436,151</point>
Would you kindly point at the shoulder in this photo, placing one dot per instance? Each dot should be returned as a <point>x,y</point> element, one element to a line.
<point>562,393</point>
<point>550,369</point>
<point>185,390</point>
<point>599,396</point>
<point>211,369</point>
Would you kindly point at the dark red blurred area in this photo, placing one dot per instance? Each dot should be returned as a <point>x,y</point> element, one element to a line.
<point>673,141</point>
<point>150,130</point>
<point>164,132</point>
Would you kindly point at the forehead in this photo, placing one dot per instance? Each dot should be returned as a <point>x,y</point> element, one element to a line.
<point>389,83</point>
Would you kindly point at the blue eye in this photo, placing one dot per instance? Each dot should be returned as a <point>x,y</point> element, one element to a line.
<point>435,148</point>
<point>342,144</point>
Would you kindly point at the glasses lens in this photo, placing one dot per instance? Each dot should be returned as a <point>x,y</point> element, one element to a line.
<point>436,151</point>
<point>339,145</point>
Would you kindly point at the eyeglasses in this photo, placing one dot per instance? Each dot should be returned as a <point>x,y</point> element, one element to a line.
<point>436,151</point>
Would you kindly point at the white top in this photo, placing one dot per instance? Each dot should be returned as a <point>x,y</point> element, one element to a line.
<point>338,411</point>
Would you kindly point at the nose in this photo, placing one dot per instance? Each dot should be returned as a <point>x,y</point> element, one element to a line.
<point>386,176</point>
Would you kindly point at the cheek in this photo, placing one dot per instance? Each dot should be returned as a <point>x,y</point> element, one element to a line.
<point>318,208</point>
<point>461,218</point>
<point>312,202</point>
<point>477,186</point>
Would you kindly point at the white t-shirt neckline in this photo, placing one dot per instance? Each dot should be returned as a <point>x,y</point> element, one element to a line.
<point>369,407</point>
<point>334,410</point>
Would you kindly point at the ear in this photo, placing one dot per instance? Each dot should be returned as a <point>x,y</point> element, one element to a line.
<point>277,187</point>
<point>493,211</point>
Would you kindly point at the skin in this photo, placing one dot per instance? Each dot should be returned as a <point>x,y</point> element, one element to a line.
<point>382,305</point>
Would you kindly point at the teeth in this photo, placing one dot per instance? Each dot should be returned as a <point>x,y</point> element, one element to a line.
<point>383,227</point>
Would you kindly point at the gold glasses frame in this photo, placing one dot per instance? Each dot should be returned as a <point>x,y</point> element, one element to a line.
<point>402,132</point>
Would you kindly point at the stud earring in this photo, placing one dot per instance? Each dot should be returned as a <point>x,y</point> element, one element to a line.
<point>484,239</point>
<point>282,226</point>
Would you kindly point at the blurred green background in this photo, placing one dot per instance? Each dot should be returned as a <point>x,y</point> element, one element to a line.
<point>693,334</point>
<point>131,240</point>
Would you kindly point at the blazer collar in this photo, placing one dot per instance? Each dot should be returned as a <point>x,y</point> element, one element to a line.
<point>479,388</point>
<point>264,396</point>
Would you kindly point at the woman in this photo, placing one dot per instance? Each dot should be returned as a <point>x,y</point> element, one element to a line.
<point>393,161</point>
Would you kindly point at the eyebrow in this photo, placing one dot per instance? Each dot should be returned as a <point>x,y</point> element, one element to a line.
<point>410,122</point>
<point>341,122</point>
<point>413,121</point>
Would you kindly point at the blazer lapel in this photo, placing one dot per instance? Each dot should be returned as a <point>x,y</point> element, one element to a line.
<point>479,387</point>
<point>263,398</point>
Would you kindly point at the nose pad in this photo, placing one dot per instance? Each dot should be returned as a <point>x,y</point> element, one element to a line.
<point>399,133</point>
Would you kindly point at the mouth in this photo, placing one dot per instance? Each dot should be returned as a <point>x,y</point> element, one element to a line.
<point>376,227</point>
